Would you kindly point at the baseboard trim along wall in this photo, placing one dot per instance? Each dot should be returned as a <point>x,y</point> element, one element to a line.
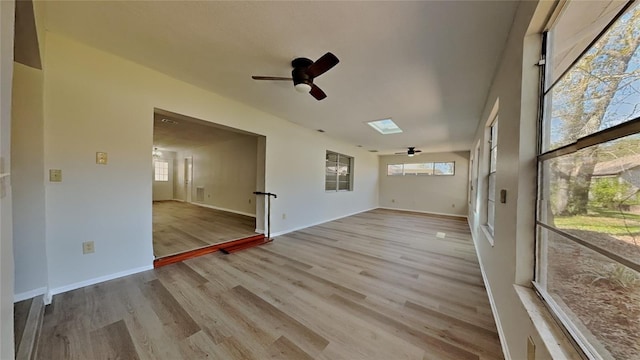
<point>279,233</point>
<point>224,209</point>
<point>62,289</point>
<point>424,212</point>
<point>494,309</point>
<point>29,294</point>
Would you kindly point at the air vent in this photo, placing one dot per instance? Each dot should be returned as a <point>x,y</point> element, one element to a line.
<point>320,130</point>
<point>200,194</point>
<point>373,150</point>
<point>169,121</point>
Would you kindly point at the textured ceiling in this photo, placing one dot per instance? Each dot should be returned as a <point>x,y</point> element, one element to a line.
<point>428,65</point>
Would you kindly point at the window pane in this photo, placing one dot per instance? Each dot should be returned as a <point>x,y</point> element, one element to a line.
<point>443,168</point>
<point>599,296</point>
<point>602,90</point>
<point>330,185</point>
<point>394,170</point>
<point>494,134</point>
<point>332,157</point>
<point>418,169</point>
<point>593,195</point>
<point>343,185</point>
<point>491,193</point>
<point>494,158</point>
<point>491,210</point>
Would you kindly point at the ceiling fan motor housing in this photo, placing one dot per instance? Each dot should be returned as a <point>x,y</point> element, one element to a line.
<point>299,72</point>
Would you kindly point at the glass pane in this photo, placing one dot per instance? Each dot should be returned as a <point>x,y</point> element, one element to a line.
<point>330,185</point>
<point>331,168</point>
<point>491,210</point>
<point>491,193</point>
<point>333,157</point>
<point>599,296</point>
<point>343,170</point>
<point>576,28</point>
<point>343,185</point>
<point>494,158</point>
<point>443,168</point>
<point>602,90</point>
<point>394,170</point>
<point>494,134</point>
<point>593,194</point>
<point>418,169</point>
<point>344,160</point>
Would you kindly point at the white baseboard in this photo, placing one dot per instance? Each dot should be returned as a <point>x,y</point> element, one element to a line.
<point>29,294</point>
<point>177,200</point>
<point>260,231</point>
<point>423,212</point>
<point>224,209</point>
<point>494,309</point>
<point>279,233</point>
<point>62,289</point>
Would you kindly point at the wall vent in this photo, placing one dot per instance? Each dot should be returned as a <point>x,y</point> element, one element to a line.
<point>200,194</point>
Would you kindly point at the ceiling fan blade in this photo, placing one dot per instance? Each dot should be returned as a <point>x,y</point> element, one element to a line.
<point>322,65</point>
<point>270,78</point>
<point>317,93</point>
<point>417,151</point>
<point>402,153</point>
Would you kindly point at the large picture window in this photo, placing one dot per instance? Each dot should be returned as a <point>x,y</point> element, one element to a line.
<point>588,221</point>
<point>338,172</point>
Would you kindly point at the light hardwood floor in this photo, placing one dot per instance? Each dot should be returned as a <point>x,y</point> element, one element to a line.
<point>378,285</point>
<point>180,227</point>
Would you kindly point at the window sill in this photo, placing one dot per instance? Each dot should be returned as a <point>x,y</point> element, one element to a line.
<point>555,341</point>
<point>487,234</point>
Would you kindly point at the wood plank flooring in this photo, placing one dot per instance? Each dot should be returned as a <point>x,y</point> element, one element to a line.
<point>180,227</point>
<point>377,285</point>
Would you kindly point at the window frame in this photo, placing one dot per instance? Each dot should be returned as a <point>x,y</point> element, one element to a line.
<point>159,174</point>
<point>491,171</point>
<point>327,172</point>
<point>597,137</point>
<point>433,168</point>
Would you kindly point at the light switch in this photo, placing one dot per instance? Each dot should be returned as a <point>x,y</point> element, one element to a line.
<point>101,158</point>
<point>55,175</point>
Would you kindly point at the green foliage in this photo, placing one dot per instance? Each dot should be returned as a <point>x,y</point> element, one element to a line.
<point>617,276</point>
<point>609,192</point>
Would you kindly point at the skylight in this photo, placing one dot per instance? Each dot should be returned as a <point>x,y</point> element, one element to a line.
<point>385,127</point>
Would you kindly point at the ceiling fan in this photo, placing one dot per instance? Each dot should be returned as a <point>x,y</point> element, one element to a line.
<point>303,73</point>
<point>411,151</point>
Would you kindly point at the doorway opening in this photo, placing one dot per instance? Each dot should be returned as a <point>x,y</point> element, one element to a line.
<point>204,175</point>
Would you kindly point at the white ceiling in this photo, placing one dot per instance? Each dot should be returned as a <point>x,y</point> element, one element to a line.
<point>428,65</point>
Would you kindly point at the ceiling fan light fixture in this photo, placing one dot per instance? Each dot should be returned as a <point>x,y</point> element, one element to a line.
<point>303,87</point>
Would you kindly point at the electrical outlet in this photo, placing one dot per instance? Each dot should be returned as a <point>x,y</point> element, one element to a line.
<point>393,200</point>
<point>249,201</point>
<point>88,247</point>
<point>440,235</point>
<point>284,216</point>
<point>453,205</point>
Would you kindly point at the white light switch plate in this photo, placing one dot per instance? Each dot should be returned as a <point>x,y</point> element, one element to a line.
<point>440,235</point>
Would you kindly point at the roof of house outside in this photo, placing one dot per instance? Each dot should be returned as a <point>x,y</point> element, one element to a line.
<point>617,166</point>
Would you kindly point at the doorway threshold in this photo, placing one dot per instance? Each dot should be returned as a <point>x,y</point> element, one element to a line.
<point>226,247</point>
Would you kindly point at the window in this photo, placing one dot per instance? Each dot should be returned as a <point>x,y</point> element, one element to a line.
<point>439,168</point>
<point>161,170</point>
<point>491,178</point>
<point>588,218</point>
<point>338,172</point>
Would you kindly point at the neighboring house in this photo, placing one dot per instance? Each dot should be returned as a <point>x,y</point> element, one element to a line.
<point>626,168</point>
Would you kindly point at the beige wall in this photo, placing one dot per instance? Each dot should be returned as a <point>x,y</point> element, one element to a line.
<point>92,96</point>
<point>507,257</point>
<point>432,194</point>
<point>28,176</point>
<point>227,171</point>
<point>6,233</point>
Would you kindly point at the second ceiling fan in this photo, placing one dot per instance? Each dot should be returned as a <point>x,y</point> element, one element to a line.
<point>303,73</point>
<point>411,151</point>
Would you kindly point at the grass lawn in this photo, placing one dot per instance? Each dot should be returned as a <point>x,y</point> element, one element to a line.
<point>604,221</point>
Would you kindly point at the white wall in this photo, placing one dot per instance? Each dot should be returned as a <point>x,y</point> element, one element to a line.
<point>433,194</point>
<point>163,190</point>
<point>510,260</point>
<point>27,172</point>
<point>6,235</point>
<point>227,171</point>
<point>91,96</point>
